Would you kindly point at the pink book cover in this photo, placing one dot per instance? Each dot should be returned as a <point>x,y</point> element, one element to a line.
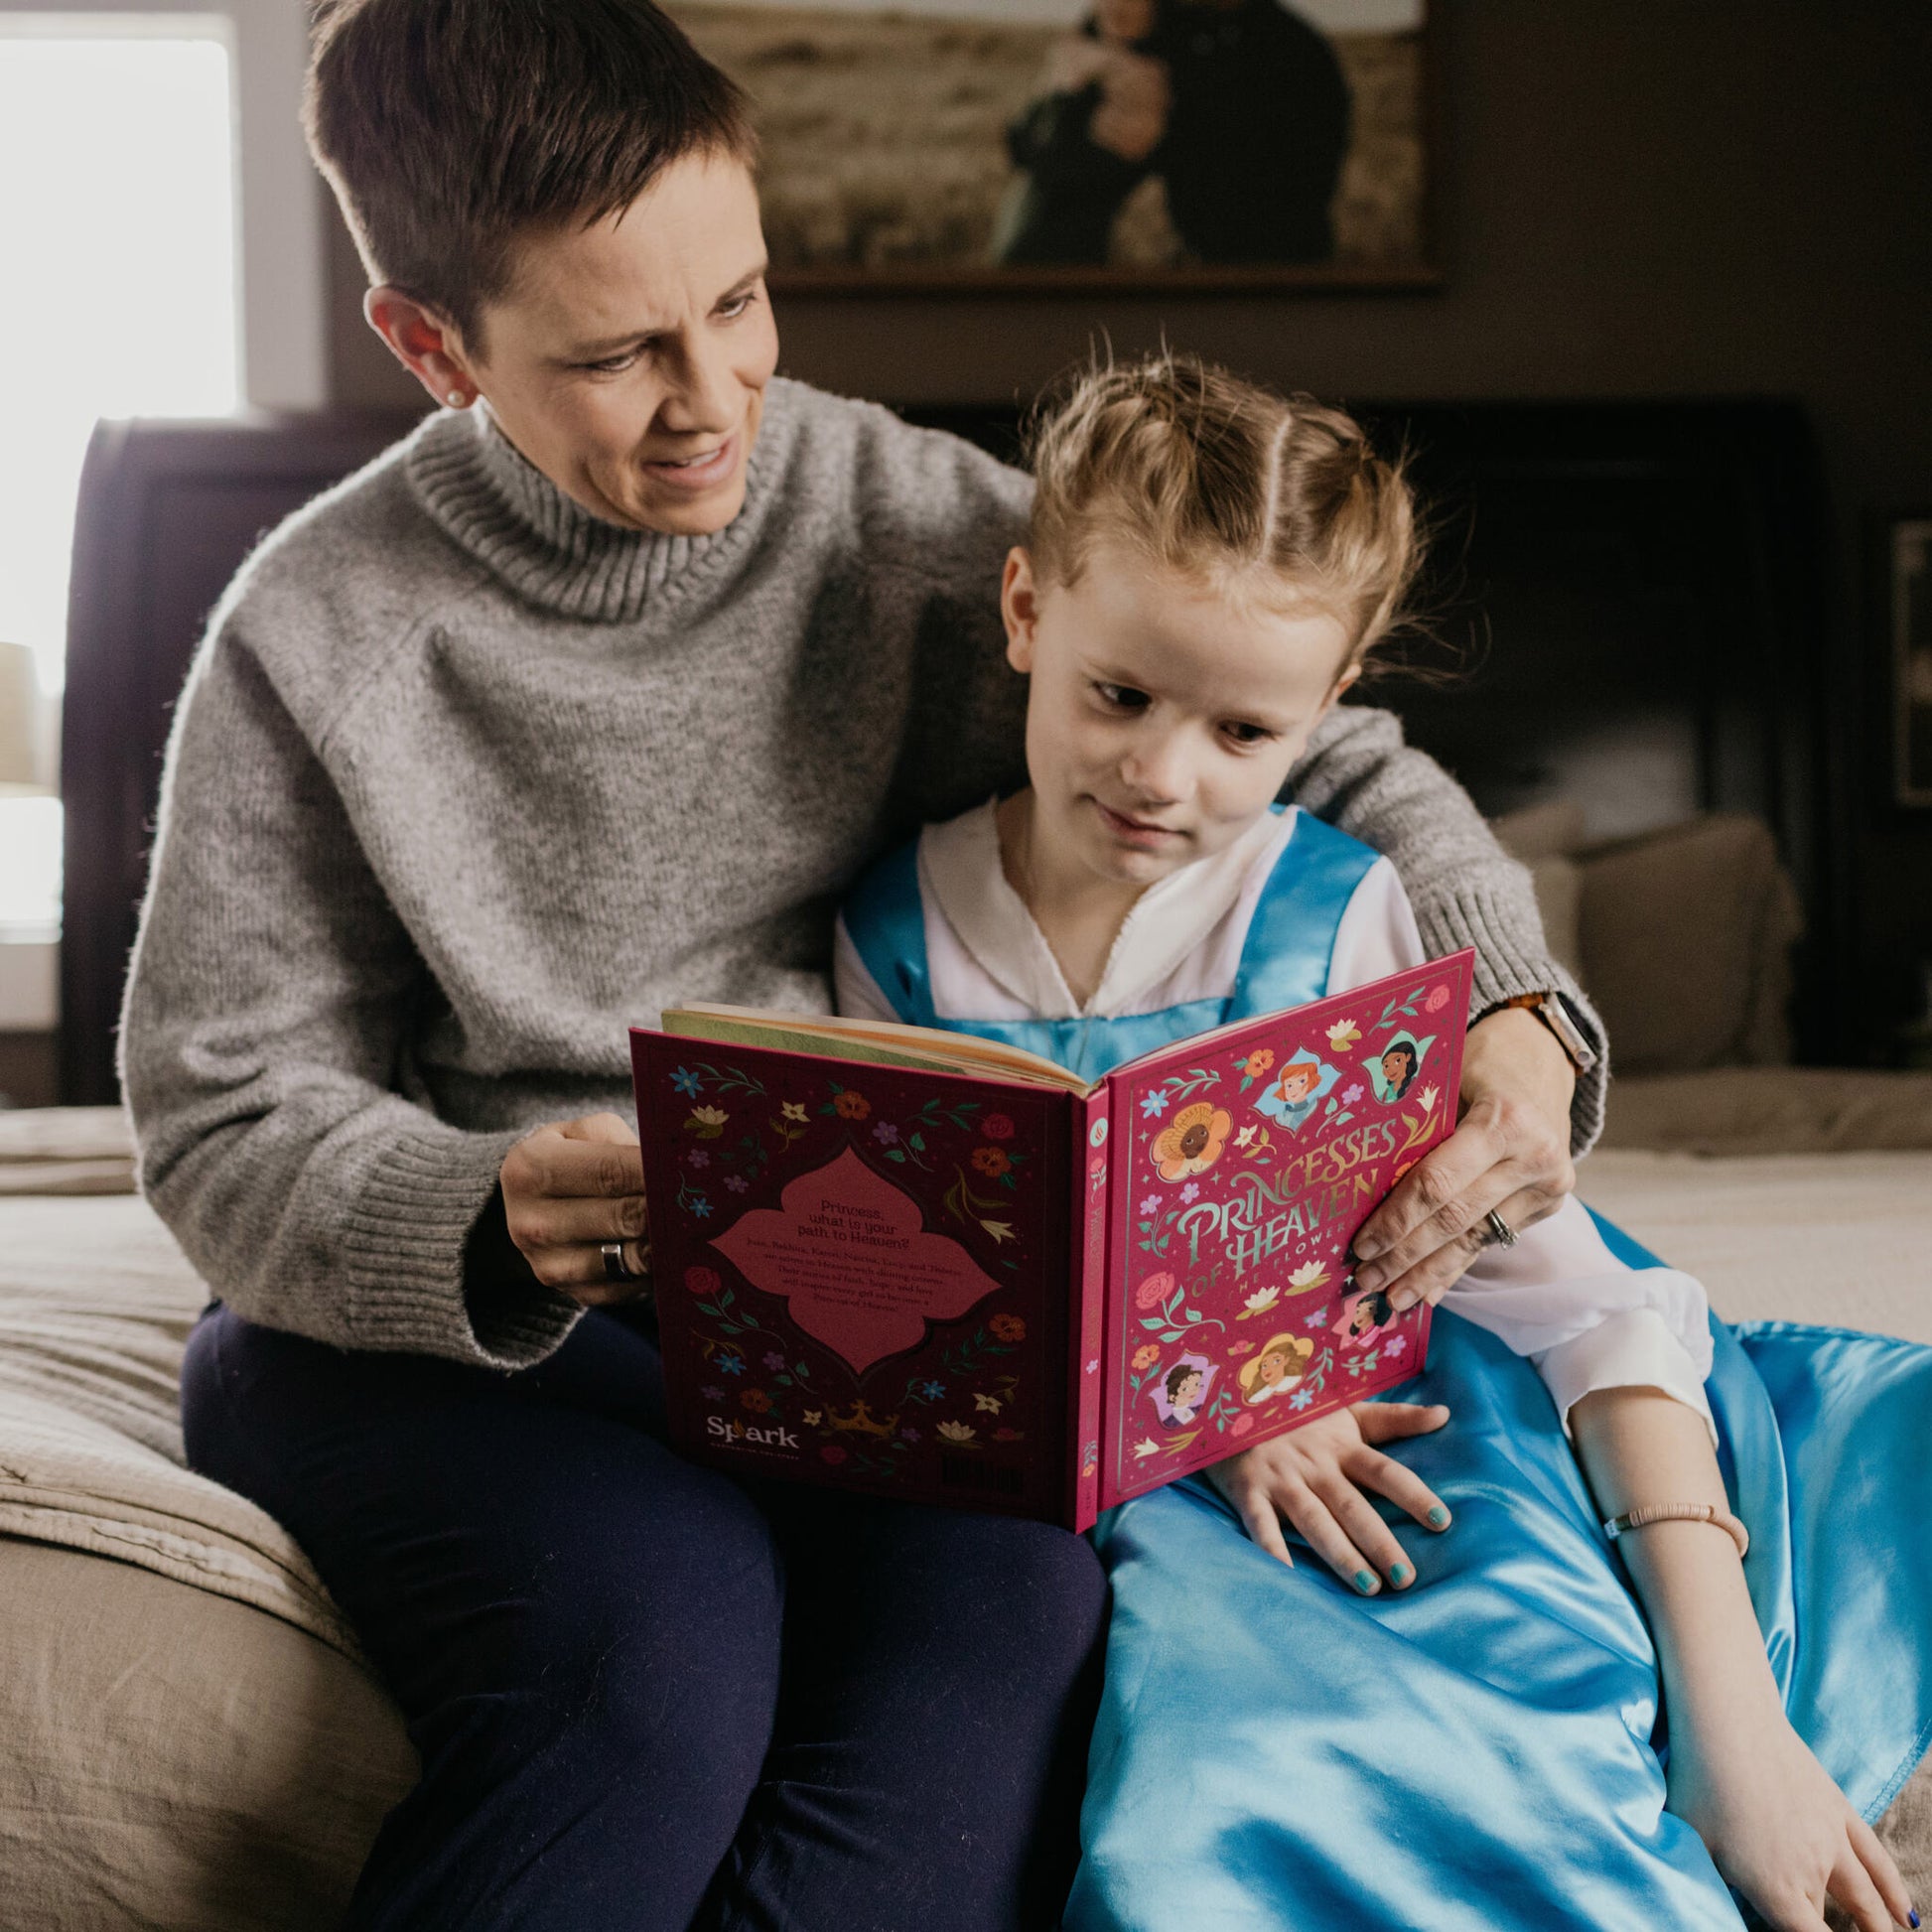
<point>982,1292</point>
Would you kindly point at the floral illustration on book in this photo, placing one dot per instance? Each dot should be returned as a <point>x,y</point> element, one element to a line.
<point>847,1255</point>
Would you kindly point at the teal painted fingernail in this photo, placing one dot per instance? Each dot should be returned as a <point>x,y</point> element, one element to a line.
<point>1365,1582</point>
<point>1438,1517</point>
<point>1399,1574</point>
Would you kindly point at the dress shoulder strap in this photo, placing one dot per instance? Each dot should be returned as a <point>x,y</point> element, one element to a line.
<point>886,920</point>
<point>1291,942</point>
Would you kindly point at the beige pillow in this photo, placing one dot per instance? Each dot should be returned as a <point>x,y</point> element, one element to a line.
<point>178,1760</point>
<point>1687,938</point>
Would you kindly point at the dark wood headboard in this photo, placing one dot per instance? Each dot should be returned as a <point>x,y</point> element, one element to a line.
<point>1635,594</point>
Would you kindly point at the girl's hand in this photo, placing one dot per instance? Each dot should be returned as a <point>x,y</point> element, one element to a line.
<point>1780,1831</point>
<point>567,1190</point>
<point>1317,1475</point>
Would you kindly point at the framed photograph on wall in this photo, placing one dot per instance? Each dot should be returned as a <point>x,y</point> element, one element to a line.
<point>1908,611</point>
<point>991,145</point>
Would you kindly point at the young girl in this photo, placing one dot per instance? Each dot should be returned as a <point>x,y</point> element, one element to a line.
<point>1208,567</point>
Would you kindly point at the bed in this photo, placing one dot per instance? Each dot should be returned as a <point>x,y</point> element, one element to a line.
<point>195,1739</point>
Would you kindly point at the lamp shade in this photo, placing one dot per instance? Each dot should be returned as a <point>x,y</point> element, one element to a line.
<point>20,722</point>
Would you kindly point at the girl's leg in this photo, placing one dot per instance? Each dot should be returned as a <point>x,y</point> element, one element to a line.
<point>581,1629</point>
<point>940,1676</point>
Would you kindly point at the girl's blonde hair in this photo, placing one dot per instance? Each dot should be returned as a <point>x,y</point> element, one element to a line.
<point>1215,478</point>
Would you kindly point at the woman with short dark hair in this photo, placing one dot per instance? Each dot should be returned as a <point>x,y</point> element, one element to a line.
<point>591,694</point>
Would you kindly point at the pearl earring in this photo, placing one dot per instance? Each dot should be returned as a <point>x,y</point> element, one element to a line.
<point>456,399</point>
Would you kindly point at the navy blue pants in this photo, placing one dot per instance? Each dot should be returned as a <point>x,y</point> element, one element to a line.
<point>648,1696</point>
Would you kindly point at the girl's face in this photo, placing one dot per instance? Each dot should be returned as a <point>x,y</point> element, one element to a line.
<point>1395,1066</point>
<point>1296,1087</point>
<point>1188,1390</point>
<point>1273,1369</point>
<point>1164,713</point>
<point>1363,1318</point>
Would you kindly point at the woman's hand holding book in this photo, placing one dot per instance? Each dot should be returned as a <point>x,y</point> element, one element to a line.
<point>569,1190</point>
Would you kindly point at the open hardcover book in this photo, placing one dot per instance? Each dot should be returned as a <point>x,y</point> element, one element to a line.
<point>932,1265</point>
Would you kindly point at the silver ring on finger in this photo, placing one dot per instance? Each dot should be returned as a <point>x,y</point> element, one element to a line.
<point>616,1268</point>
<point>1500,1231</point>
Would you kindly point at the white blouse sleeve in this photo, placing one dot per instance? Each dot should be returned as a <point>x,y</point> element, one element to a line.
<point>1559,1297</point>
<point>855,992</point>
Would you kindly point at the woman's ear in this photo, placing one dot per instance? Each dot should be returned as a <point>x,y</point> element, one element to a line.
<point>1020,607</point>
<point>425,344</point>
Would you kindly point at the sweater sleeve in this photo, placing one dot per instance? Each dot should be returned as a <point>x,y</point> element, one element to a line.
<point>1360,775</point>
<point>261,1042</point>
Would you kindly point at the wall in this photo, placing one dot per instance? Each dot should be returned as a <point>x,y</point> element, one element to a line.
<point>1649,198</point>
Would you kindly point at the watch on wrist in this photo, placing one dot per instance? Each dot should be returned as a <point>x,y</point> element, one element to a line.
<point>1550,1008</point>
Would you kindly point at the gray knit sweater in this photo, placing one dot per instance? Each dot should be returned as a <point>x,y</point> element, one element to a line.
<point>466,779</point>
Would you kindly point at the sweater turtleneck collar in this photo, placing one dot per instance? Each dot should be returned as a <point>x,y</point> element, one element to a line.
<point>554,553</point>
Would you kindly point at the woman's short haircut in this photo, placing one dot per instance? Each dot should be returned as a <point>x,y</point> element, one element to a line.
<point>1201,472</point>
<point>450,127</point>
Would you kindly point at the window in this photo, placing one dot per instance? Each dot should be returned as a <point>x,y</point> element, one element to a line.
<point>150,268</point>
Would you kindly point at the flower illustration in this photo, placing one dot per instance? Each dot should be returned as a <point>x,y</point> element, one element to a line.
<point>1427,1098</point>
<point>773,1360</point>
<point>999,1230</point>
<point>1189,1191</point>
<point>707,1123</point>
<point>996,1127</point>
<point>1241,1424</point>
<point>1007,1436</point>
<point>698,1158</point>
<point>684,1081</point>
<point>930,1391</point>
<point>1008,1328</point>
<point>701,1207</point>
<point>1438,998</point>
<point>851,1106</point>
<point>1300,1398</point>
<point>991,1161</point>
<point>1145,1447</point>
<point>1309,1274</point>
<point>711,1392</point>
<point>1259,1302</point>
<point>1146,1357</point>
<point>885,1133</point>
<point>1395,1346</point>
<point>1192,1141</point>
<point>1240,1349</point>
<point>1097,1166</point>
<point>989,1403</point>
<point>793,1110</point>
<point>1154,1104</point>
<point>1090,1463</point>
<point>702,1281</point>
<point>1093,1365</point>
<point>813,1416</point>
<point>908,1435</point>
<point>1320,1316</point>
<point>756,1400</point>
<point>730,1365</point>
<point>832,1454</point>
<point>1245,1138</point>
<point>1343,1034</point>
<point>1257,1063</point>
<point>736,1182</point>
<point>1351,1094</point>
<point>957,1432</point>
<point>1156,1288</point>
<point>1150,1205</point>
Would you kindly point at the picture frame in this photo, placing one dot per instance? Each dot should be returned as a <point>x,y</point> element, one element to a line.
<point>1907,607</point>
<point>1089,146</point>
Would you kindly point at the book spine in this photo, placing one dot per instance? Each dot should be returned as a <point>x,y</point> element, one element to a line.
<point>1093,1168</point>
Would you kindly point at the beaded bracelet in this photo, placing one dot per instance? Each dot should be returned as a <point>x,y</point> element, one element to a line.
<point>1635,1519</point>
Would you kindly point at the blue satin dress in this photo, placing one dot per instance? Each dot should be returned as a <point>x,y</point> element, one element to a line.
<point>1485,1750</point>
